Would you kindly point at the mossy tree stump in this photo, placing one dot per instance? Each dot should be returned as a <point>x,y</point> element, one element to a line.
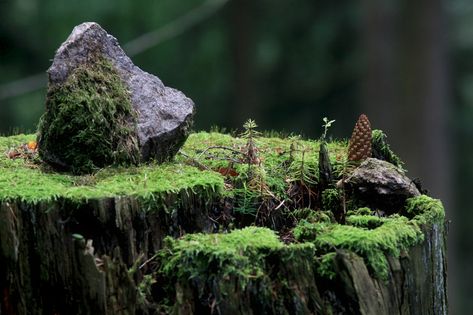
<point>174,238</point>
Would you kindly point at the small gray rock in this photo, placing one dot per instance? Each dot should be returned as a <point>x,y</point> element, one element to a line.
<point>164,115</point>
<point>381,185</point>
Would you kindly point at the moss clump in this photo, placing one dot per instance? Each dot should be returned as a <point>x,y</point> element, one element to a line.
<point>250,263</point>
<point>325,266</point>
<point>395,234</point>
<point>381,149</point>
<point>360,211</point>
<point>307,231</point>
<point>238,253</point>
<point>364,221</point>
<point>425,209</point>
<point>331,199</point>
<point>89,121</point>
<point>313,216</point>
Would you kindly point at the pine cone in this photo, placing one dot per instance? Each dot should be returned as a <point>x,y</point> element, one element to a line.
<point>359,148</point>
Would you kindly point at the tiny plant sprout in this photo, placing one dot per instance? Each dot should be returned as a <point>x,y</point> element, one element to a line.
<point>250,124</point>
<point>327,124</point>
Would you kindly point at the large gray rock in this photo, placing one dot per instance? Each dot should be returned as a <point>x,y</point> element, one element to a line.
<point>381,185</point>
<point>164,115</point>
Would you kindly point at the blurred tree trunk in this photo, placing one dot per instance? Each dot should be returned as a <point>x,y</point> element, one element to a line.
<point>405,85</point>
<point>379,45</point>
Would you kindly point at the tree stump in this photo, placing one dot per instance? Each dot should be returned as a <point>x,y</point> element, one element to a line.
<point>176,238</point>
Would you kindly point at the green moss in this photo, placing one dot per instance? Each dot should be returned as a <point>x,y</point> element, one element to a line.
<point>331,199</point>
<point>272,178</point>
<point>274,153</point>
<point>307,231</point>
<point>425,209</point>
<point>381,149</point>
<point>364,221</point>
<point>238,253</point>
<point>21,179</point>
<point>30,182</point>
<point>394,235</point>
<point>313,216</point>
<point>89,121</point>
<point>360,211</point>
<point>325,266</point>
<point>236,264</point>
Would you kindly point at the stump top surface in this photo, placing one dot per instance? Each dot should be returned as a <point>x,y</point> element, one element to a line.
<point>24,178</point>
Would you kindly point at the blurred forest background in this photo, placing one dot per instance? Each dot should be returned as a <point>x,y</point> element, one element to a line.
<point>407,64</point>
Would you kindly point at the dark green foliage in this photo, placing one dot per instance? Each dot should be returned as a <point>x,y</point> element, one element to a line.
<point>331,199</point>
<point>381,150</point>
<point>364,221</point>
<point>313,216</point>
<point>306,231</point>
<point>325,265</point>
<point>360,211</point>
<point>246,201</point>
<point>89,121</point>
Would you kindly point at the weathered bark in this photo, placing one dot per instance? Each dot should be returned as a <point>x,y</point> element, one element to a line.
<point>416,282</point>
<point>325,168</point>
<point>46,270</point>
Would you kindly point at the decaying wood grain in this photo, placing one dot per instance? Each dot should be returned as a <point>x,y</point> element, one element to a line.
<point>46,270</point>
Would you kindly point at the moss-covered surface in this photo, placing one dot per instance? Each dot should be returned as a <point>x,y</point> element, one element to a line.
<point>425,210</point>
<point>89,121</point>
<point>280,191</point>
<point>382,150</point>
<point>33,182</point>
<point>239,253</point>
<point>245,268</point>
<point>391,237</point>
<point>30,182</point>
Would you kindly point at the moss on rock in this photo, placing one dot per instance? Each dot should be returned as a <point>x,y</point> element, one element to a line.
<point>89,121</point>
<point>382,150</point>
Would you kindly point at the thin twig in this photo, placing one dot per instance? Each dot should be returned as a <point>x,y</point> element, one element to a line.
<point>194,162</point>
<point>226,158</point>
<point>222,148</point>
<point>148,261</point>
<point>280,205</point>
